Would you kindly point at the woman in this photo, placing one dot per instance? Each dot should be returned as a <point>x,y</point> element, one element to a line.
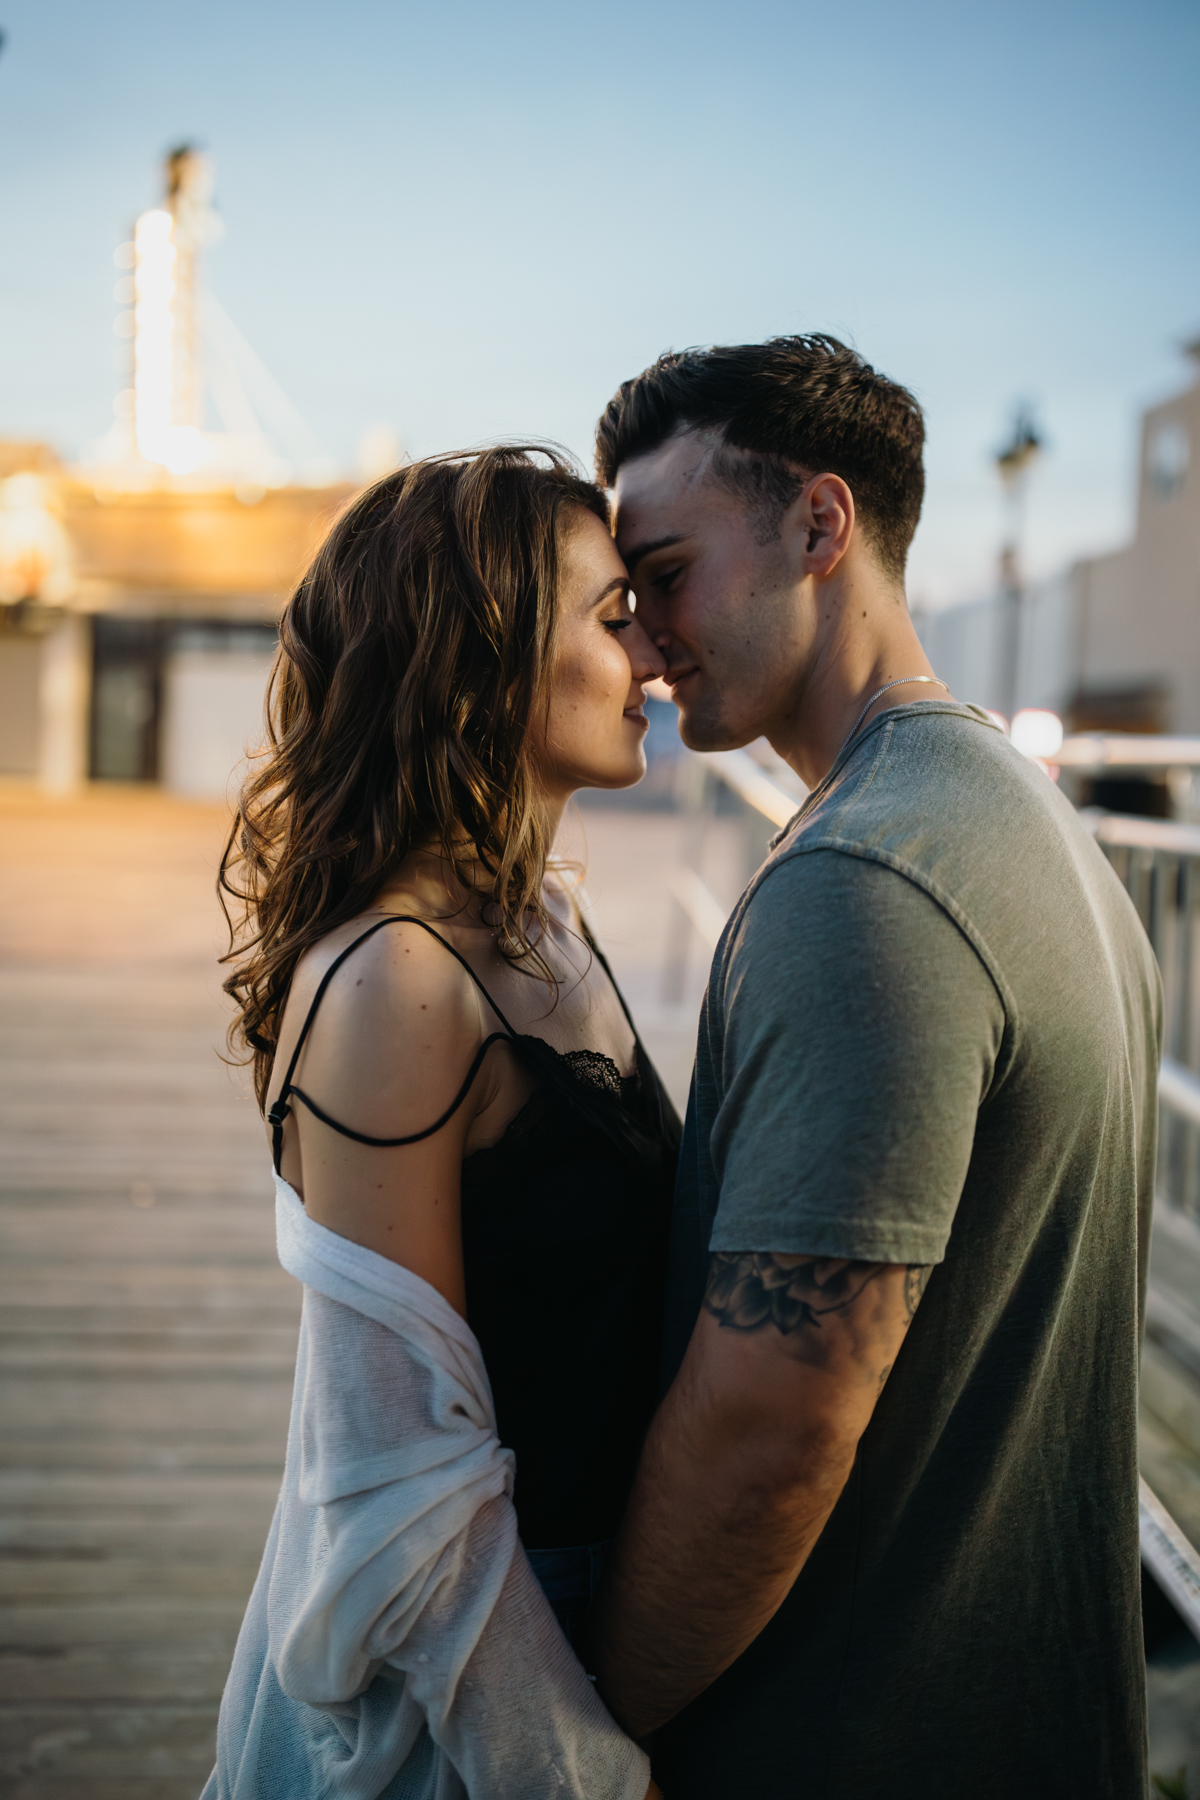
<point>473,1154</point>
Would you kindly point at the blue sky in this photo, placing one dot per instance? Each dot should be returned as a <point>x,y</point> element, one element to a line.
<point>473,221</point>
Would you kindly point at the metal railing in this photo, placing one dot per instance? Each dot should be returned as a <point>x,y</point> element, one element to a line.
<point>1169,1556</point>
<point>1127,750</point>
<point>766,805</point>
<point>1159,864</point>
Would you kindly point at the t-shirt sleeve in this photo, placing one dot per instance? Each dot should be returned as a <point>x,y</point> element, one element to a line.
<point>861,1029</point>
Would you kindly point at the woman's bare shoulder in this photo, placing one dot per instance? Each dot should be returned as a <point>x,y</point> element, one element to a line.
<point>396,1028</point>
<point>400,968</point>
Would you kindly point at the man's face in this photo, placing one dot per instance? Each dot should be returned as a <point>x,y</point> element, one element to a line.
<point>725,607</point>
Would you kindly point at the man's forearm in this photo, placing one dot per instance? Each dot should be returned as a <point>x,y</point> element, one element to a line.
<point>742,1467</point>
<point>707,1553</point>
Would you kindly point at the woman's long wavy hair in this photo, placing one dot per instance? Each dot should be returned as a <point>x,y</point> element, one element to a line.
<point>412,657</point>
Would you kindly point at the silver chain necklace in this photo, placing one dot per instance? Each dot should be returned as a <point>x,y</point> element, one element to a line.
<point>901,681</point>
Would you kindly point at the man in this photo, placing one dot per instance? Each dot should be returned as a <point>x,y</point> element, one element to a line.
<point>883,1540</point>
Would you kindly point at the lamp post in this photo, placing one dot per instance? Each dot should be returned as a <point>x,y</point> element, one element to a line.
<point>1013,464</point>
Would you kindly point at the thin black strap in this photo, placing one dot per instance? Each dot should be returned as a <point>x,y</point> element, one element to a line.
<point>280,1110</point>
<point>598,953</point>
<point>360,1137</point>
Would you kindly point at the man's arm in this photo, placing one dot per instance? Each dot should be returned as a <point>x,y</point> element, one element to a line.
<point>742,1467</point>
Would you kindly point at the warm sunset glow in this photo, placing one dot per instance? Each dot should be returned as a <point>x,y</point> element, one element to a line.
<point>35,553</point>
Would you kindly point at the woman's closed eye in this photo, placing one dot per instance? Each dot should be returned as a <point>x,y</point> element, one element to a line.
<point>617,624</point>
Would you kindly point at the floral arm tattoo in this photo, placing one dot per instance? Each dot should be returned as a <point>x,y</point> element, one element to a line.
<point>751,1290</point>
<point>916,1280</point>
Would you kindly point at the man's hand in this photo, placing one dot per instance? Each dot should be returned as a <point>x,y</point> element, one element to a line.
<point>742,1466</point>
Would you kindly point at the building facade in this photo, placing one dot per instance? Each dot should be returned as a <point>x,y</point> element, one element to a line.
<point>1113,643</point>
<point>137,628</point>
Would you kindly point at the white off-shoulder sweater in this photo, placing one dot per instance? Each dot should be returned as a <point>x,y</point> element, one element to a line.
<point>397,1643</point>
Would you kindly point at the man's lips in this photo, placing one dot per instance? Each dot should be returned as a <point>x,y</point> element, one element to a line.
<point>674,677</point>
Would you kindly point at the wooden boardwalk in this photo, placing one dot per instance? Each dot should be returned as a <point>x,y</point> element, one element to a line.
<point>147,1331</point>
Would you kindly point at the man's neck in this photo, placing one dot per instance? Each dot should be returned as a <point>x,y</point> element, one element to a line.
<point>866,640</point>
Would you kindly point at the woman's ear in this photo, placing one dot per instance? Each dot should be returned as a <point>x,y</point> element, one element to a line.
<point>819,524</point>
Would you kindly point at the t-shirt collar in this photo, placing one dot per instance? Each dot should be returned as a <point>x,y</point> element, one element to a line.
<point>855,743</point>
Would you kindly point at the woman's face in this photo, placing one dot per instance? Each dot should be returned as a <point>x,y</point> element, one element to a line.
<point>595,726</point>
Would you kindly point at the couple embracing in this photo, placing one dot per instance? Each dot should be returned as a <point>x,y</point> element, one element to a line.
<point>788,1454</point>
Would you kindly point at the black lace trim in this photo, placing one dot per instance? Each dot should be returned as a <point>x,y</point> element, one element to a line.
<point>590,1068</point>
<point>600,1072</point>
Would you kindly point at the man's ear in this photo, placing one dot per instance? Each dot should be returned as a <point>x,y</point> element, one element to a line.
<point>819,523</point>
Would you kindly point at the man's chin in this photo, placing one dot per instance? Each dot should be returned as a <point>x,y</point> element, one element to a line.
<point>704,726</point>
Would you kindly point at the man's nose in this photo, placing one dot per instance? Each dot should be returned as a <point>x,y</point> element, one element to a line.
<point>662,637</point>
<point>652,619</point>
<point>652,663</point>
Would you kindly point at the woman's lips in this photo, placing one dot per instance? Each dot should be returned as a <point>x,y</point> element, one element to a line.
<point>636,716</point>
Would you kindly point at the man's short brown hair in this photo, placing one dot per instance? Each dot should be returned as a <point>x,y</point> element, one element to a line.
<point>797,404</point>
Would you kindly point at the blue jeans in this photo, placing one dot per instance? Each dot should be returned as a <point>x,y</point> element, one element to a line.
<point>569,1579</point>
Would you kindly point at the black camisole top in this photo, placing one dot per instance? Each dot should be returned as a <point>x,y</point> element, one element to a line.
<point>564,1225</point>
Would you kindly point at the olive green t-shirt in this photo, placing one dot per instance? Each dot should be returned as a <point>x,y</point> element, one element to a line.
<point>931,1035</point>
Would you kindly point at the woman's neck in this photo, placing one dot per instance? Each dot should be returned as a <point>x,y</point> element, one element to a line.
<point>433,885</point>
<point>429,883</point>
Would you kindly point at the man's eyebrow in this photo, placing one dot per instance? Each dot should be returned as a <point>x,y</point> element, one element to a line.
<point>634,557</point>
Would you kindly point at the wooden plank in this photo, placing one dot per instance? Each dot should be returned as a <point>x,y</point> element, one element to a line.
<point>147,1334</point>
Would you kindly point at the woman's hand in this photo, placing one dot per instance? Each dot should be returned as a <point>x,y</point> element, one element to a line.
<point>654,1792</point>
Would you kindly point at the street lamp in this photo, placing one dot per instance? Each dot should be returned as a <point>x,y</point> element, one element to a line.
<point>1014,462</point>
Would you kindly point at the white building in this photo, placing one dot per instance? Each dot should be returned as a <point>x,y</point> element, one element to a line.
<point>1114,642</point>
